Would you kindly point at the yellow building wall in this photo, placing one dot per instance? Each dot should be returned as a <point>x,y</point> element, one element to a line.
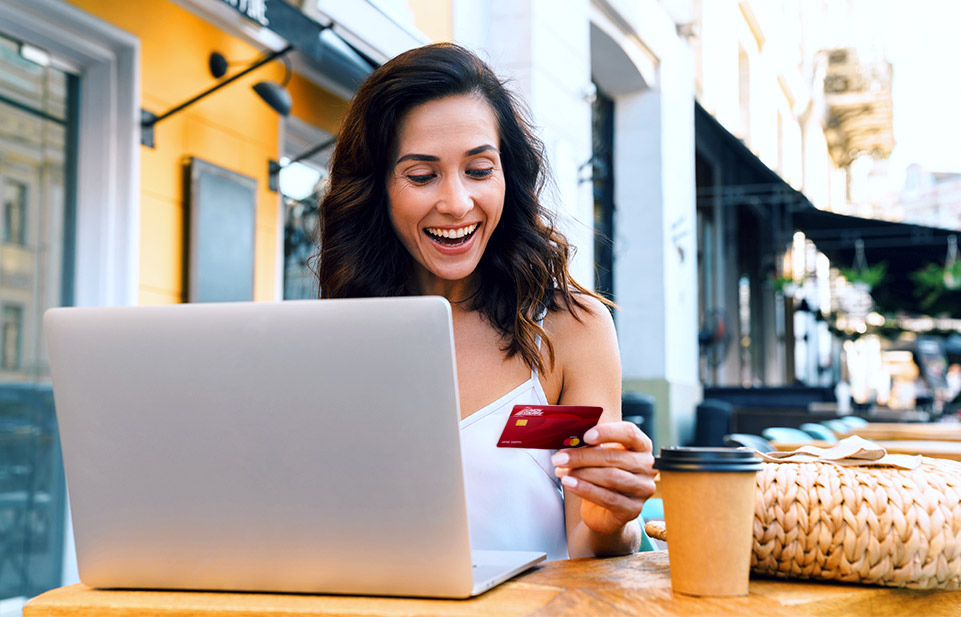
<point>316,106</point>
<point>231,128</point>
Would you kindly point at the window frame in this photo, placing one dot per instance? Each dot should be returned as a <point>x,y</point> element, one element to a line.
<point>107,59</point>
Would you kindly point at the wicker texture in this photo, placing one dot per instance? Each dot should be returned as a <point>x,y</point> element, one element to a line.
<point>875,525</point>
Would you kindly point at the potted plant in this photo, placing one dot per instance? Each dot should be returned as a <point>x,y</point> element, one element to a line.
<point>934,281</point>
<point>868,277</point>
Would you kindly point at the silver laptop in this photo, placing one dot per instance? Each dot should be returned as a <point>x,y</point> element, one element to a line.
<point>308,446</point>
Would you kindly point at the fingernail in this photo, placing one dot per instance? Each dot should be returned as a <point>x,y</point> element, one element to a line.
<point>591,435</point>
<point>569,481</point>
<point>560,459</point>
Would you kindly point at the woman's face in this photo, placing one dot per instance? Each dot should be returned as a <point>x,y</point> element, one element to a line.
<point>446,188</point>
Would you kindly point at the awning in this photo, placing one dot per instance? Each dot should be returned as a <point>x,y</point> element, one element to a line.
<point>319,44</point>
<point>904,247</point>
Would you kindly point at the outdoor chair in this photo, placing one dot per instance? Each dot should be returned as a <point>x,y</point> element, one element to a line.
<point>785,434</point>
<point>853,422</point>
<point>819,431</point>
<point>712,422</point>
<point>755,442</point>
<point>838,426</point>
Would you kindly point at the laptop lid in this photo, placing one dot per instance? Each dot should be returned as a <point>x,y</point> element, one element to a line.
<point>304,446</point>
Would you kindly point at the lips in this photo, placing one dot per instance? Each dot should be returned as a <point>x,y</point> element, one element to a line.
<point>451,237</point>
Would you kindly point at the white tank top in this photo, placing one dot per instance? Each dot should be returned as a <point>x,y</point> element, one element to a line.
<point>514,500</point>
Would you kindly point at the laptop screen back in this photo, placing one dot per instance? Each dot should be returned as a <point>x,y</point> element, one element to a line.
<point>307,446</point>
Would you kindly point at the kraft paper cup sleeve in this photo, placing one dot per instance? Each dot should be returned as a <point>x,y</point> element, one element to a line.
<point>709,508</point>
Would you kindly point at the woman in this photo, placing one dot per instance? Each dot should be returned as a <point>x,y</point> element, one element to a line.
<point>434,189</point>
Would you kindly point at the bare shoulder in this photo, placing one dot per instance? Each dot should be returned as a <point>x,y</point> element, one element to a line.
<point>583,336</point>
<point>572,326</point>
<point>587,360</point>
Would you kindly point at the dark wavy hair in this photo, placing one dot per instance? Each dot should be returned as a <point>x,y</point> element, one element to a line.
<point>523,271</point>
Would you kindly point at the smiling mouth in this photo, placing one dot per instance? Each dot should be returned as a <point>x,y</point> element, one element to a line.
<point>451,237</point>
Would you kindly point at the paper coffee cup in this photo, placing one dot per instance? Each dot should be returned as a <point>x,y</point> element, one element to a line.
<point>708,498</point>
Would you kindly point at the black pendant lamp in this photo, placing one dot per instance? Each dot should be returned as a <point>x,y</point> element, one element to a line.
<point>271,93</point>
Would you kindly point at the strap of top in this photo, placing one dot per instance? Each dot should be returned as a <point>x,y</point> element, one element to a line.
<point>537,341</point>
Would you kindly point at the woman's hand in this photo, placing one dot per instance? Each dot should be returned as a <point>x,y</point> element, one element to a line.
<point>613,475</point>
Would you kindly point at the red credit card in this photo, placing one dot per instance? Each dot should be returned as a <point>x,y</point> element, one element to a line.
<point>548,427</point>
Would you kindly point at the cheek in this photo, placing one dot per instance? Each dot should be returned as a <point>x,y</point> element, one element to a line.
<point>398,226</point>
<point>397,208</point>
<point>403,222</point>
<point>405,205</point>
<point>494,205</point>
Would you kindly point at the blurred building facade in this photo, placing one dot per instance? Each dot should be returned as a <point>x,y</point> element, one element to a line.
<point>810,97</point>
<point>931,198</point>
<point>803,241</point>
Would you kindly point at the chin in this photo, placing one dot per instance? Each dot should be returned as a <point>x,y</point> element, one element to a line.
<point>453,277</point>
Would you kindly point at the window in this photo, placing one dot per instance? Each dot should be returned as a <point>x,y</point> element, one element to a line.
<point>35,210</point>
<point>38,141</point>
<point>602,164</point>
<point>302,182</point>
<point>89,162</point>
<point>11,337</point>
<point>14,212</point>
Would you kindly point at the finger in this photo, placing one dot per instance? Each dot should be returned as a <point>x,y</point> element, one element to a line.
<point>624,433</point>
<point>635,486</point>
<point>635,462</point>
<point>622,507</point>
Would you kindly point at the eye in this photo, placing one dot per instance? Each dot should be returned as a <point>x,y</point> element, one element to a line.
<point>480,173</point>
<point>421,179</point>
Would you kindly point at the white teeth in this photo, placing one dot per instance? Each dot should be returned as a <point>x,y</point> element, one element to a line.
<point>452,233</point>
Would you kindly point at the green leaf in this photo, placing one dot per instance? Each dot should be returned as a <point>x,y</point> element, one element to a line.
<point>871,276</point>
<point>931,284</point>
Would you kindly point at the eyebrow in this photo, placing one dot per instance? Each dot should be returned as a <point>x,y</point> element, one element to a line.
<point>433,159</point>
<point>417,157</point>
<point>480,149</point>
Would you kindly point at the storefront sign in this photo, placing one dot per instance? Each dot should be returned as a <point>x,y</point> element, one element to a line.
<point>252,9</point>
<point>318,43</point>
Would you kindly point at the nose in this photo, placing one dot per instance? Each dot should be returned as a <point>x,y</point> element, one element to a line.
<point>454,200</point>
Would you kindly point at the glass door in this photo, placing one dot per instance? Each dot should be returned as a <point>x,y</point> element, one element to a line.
<point>302,183</point>
<point>37,142</point>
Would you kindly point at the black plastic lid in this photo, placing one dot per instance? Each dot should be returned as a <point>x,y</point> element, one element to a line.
<point>708,459</point>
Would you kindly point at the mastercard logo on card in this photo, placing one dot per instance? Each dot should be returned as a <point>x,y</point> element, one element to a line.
<point>548,427</point>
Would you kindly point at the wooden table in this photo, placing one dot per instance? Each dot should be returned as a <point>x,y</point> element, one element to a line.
<point>633,585</point>
<point>935,449</point>
<point>935,431</point>
<point>881,414</point>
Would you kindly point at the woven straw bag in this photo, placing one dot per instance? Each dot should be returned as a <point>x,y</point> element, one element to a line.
<point>874,525</point>
<point>877,525</point>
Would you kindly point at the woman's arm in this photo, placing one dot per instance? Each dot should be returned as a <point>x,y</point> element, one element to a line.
<point>607,483</point>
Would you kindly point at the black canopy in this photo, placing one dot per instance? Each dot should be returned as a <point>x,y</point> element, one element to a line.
<point>904,247</point>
